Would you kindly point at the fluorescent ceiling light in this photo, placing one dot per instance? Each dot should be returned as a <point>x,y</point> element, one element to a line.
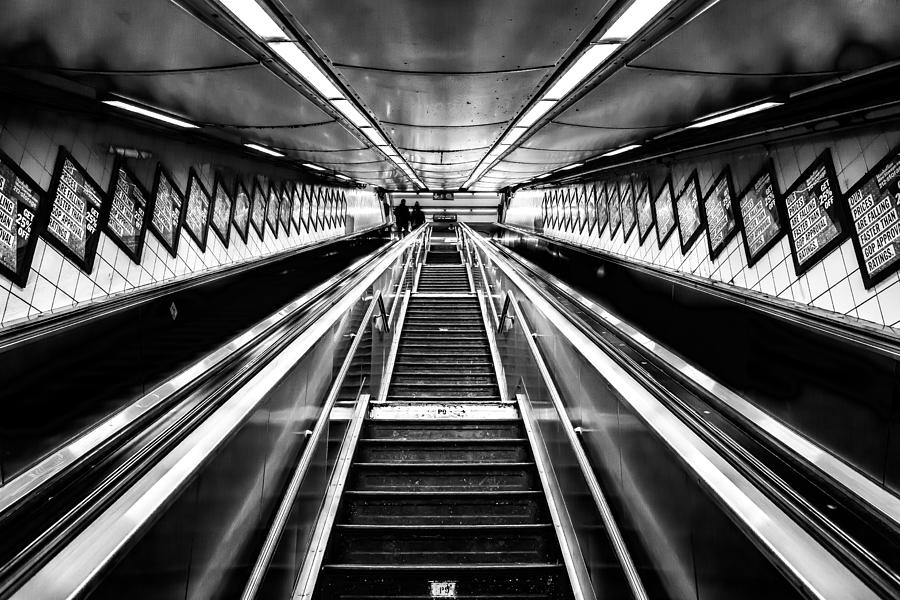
<point>621,150</point>
<point>535,112</point>
<point>344,177</point>
<point>312,166</point>
<point>749,110</point>
<point>265,150</point>
<point>514,134</point>
<point>586,64</point>
<point>572,166</point>
<point>146,112</point>
<point>349,110</point>
<point>634,18</point>
<point>374,136</point>
<point>544,175</point>
<point>254,18</point>
<point>293,55</point>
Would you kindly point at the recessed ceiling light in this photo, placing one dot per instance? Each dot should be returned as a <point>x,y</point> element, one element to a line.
<point>265,150</point>
<point>586,64</point>
<point>538,110</point>
<point>733,114</point>
<point>634,18</point>
<point>147,112</point>
<point>254,18</point>
<point>621,150</point>
<point>349,110</point>
<point>513,134</point>
<point>304,66</point>
<point>374,136</point>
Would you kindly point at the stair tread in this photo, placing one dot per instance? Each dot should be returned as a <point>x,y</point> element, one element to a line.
<point>456,441</point>
<point>443,566</point>
<point>443,465</point>
<point>477,527</point>
<point>468,494</point>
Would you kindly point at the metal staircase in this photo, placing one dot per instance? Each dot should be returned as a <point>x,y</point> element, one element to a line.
<point>443,497</point>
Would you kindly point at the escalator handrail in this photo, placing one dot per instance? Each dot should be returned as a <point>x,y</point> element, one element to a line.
<point>93,550</point>
<point>807,562</point>
<point>81,448</point>
<point>276,530</point>
<point>881,340</point>
<point>825,464</point>
<point>16,334</point>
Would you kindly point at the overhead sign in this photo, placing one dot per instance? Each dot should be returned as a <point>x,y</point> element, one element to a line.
<point>442,196</point>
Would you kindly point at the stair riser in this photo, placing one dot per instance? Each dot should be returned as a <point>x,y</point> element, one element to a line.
<point>446,547</point>
<point>424,430</point>
<point>462,479</point>
<point>443,511</point>
<point>442,454</point>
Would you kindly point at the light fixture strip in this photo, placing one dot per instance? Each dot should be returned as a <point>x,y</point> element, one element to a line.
<point>264,150</point>
<point>733,114</point>
<point>150,113</point>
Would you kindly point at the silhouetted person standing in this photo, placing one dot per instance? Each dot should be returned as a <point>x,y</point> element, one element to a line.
<point>417,217</point>
<point>401,215</point>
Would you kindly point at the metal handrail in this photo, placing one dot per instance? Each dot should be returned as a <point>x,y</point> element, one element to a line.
<point>584,464</point>
<point>276,531</point>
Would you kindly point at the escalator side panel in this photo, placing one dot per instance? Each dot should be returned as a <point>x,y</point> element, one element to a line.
<point>683,544</point>
<point>61,382</point>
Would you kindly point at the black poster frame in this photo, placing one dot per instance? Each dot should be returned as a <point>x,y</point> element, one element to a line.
<point>194,177</point>
<point>729,184</point>
<point>219,184</point>
<point>661,237</point>
<point>582,208</point>
<point>160,174</point>
<point>768,169</point>
<point>686,245</point>
<point>841,218</point>
<point>122,164</point>
<point>600,193</point>
<point>286,202</point>
<point>90,248</point>
<point>648,192</point>
<point>270,196</point>
<point>613,187</point>
<point>258,195</point>
<point>297,204</point>
<point>591,208</point>
<point>869,281</point>
<point>19,276</point>
<point>628,185</point>
<point>243,232</point>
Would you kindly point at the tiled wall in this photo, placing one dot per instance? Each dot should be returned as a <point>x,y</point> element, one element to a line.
<point>32,139</point>
<point>833,285</point>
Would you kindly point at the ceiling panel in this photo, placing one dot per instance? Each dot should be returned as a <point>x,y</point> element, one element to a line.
<point>420,157</point>
<point>445,138</point>
<point>324,137</point>
<point>783,36</point>
<point>445,35</point>
<point>110,35</point>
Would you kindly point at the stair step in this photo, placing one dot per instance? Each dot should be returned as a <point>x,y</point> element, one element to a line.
<point>453,451</point>
<point>445,429</point>
<point>443,477</point>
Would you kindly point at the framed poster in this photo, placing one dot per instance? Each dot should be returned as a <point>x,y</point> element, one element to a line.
<point>615,208</point>
<point>569,195</point>
<point>582,215</point>
<point>544,210</point>
<point>241,216</point>
<point>78,212</point>
<point>629,215</point>
<point>718,214</point>
<point>130,210</point>
<point>258,209</point>
<point>307,212</point>
<point>198,212</point>
<point>285,209</point>
<point>816,220</point>
<point>554,209</point>
<point>329,207</point>
<point>321,221</point>
<point>602,207</point>
<point>22,213</point>
<point>761,214</point>
<point>345,208</point>
<point>273,205</point>
<point>664,212</point>
<point>687,213</point>
<point>222,210</point>
<point>644,208</point>
<point>874,206</point>
<point>590,200</point>
<point>296,192</point>
<point>168,210</point>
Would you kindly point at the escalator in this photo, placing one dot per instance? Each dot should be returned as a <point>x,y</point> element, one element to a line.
<point>443,497</point>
